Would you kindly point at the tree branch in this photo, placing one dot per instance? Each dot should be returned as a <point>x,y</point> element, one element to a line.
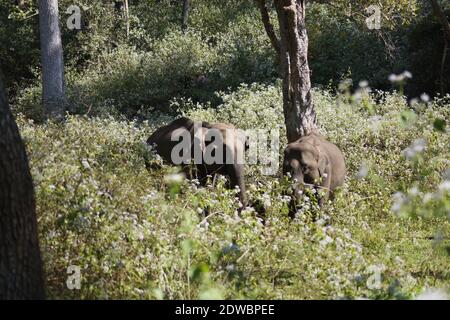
<point>439,13</point>
<point>268,26</point>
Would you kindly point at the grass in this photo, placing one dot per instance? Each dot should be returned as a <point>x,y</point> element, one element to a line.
<point>140,234</point>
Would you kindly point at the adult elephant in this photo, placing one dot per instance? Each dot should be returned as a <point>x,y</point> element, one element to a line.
<point>212,149</point>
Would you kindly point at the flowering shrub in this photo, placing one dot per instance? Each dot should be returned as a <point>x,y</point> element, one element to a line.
<point>138,233</point>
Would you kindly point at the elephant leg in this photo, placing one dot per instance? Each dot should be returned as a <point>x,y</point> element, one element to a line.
<point>292,208</point>
<point>326,188</point>
<point>202,174</point>
<point>190,172</point>
<point>236,174</point>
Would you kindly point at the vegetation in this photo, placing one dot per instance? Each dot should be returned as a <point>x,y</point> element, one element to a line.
<point>152,234</point>
<point>140,234</point>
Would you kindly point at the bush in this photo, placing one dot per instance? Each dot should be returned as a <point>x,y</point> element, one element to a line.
<point>140,234</point>
<point>339,47</point>
<point>426,45</point>
<point>180,65</point>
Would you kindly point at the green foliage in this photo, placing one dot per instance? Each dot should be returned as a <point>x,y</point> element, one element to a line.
<point>19,50</point>
<point>426,46</point>
<point>227,42</point>
<point>347,45</point>
<point>151,234</point>
<point>179,65</point>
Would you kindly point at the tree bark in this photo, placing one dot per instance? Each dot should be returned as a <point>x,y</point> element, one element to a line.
<point>268,25</point>
<point>299,113</point>
<point>185,21</point>
<point>439,13</point>
<point>20,259</point>
<point>53,83</point>
<point>127,17</point>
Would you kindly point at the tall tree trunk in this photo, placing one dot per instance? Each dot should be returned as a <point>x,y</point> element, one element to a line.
<point>185,21</point>
<point>440,15</point>
<point>20,259</point>
<point>299,113</point>
<point>127,17</point>
<point>53,84</point>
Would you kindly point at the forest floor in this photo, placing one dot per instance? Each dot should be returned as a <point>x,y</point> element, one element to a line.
<point>145,234</point>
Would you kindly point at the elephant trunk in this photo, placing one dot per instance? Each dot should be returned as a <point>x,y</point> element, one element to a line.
<point>236,173</point>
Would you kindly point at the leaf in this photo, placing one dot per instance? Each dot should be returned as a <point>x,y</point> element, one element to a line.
<point>439,125</point>
<point>199,272</point>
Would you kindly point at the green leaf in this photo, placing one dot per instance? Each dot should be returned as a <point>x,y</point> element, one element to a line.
<point>439,125</point>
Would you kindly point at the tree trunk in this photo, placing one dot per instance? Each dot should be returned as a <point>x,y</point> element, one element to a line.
<point>299,113</point>
<point>440,15</point>
<point>127,17</point>
<point>20,259</point>
<point>185,21</point>
<point>53,84</point>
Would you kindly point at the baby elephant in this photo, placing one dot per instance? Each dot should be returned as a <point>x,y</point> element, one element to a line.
<point>314,163</point>
<point>212,148</point>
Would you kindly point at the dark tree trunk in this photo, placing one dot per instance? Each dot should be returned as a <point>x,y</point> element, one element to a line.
<point>20,259</point>
<point>185,21</point>
<point>292,48</point>
<point>440,15</point>
<point>53,84</point>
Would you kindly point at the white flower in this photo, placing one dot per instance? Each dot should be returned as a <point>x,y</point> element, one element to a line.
<point>375,123</point>
<point>447,174</point>
<point>230,267</point>
<point>266,200</point>
<point>407,74</point>
<point>363,171</point>
<point>85,164</point>
<point>444,186</point>
<point>140,235</point>
<point>414,191</point>
<point>414,101</point>
<point>398,199</point>
<point>400,77</point>
<point>424,97</point>
<point>427,197</point>
<point>139,291</point>
<point>418,146</point>
<point>320,222</point>
<point>176,178</point>
<point>358,96</point>
<point>363,84</point>
<point>326,241</point>
<point>433,294</point>
<point>398,260</point>
<point>393,78</point>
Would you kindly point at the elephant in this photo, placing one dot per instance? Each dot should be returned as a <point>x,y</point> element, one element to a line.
<point>314,163</point>
<point>184,141</point>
